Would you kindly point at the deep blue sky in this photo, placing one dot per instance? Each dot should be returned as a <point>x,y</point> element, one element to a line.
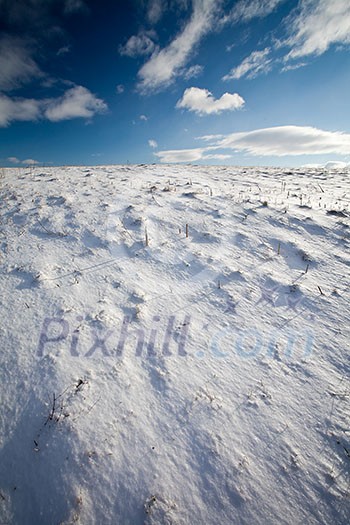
<point>101,82</point>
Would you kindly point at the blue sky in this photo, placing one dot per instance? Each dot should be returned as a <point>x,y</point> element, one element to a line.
<point>246,82</point>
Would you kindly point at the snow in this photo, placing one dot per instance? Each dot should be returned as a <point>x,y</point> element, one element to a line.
<point>175,345</point>
<point>336,164</point>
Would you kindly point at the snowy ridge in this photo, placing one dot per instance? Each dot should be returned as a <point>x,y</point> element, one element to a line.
<point>174,345</point>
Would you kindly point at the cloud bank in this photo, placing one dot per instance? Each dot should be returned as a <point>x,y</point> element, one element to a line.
<point>288,140</point>
<point>278,141</point>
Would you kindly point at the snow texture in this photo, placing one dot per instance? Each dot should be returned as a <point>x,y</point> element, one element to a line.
<point>174,346</point>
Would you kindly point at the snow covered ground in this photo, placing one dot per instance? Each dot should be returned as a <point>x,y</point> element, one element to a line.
<point>174,346</point>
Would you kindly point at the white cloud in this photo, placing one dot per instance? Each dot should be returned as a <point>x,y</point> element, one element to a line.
<point>202,102</point>
<point>164,65</point>
<point>16,65</point>
<point>138,45</point>
<point>180,155</point>
<point>120,89</point>
<point>30,162</point>
<point>75,103</point>
<point>287,140</point>
<point>144,118</point>
<point>256,63</point>
<point>20,109</point>
<point>26,162</point>
<point>152,143</point>
<point>317,25</point>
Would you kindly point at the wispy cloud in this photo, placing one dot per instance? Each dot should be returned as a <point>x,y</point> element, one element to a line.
<point>202,102</point>
<point>216,156</point>
<point>246,10</point>
<point>316,25</point>
<point>275,142</point>
<point>144,118</point>
<point>30,17</point>
<point>180,155</point>
<point>138,45</point>
<point>16,64</point>
<point>256,63</point>
<point>189,155</point>
<point>77,102</point>
<point>152,143</point>
<point>165,64</point>
<point>210,138</point>
<point>292,67</point>
<point>155,11</point>
<point>75,6</point>
<point>193,71</point>
<point>63,50</point>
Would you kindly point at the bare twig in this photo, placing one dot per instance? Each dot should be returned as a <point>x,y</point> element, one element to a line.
<point>53,409</point>
<point>59,234</point>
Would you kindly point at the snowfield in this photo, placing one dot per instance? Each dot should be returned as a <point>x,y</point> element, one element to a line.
<point>174,346</point>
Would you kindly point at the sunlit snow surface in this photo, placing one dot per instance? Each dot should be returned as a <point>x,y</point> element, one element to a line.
<point>174,346</point>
